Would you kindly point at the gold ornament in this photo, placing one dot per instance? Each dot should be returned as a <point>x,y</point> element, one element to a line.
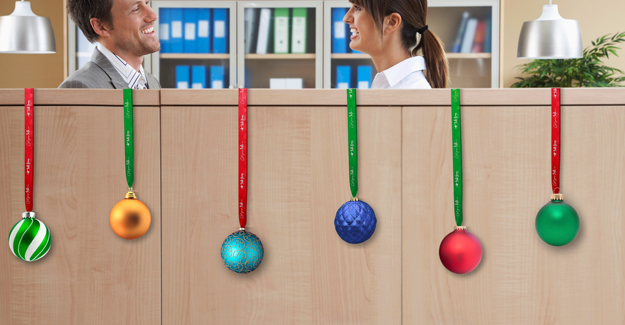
<point>130,218</point>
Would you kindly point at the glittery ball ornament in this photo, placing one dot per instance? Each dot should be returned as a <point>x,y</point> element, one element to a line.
<point>130,218</point>
<point>557,223</point>
<point>460,251</point>
<point>355,221</point>
<point>29,239</point>
<point>242,252</point>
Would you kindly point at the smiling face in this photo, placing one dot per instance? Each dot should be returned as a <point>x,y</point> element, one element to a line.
<point>366,36</point>
<point>133,27</point>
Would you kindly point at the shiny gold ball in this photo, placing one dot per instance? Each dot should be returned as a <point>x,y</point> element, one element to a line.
<point>130,218</point>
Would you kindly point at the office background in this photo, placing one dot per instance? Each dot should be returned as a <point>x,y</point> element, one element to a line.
<point>48,71</point>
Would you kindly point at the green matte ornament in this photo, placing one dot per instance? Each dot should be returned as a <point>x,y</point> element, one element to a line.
<point>557,223</point>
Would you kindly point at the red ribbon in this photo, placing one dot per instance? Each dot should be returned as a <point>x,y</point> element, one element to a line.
<point>29,151</point>
<point>242,157</point>
<point>555,140</point>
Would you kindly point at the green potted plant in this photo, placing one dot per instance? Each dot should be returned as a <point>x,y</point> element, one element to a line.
<point>588,71</point>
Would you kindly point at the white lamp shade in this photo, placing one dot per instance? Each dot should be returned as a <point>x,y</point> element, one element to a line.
<point>23,32</point>
<point>550,37</point>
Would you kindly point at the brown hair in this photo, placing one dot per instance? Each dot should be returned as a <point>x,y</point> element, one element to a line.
<point>82,11</point>
<point>413,14</point>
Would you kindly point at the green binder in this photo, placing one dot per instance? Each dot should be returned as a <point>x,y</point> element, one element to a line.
<point>298,39</point>
<point>281,31</point>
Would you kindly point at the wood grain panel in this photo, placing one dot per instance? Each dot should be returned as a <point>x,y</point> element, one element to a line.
<point>506,160</point>
<point>298,179</point>
<point>88,97</point>
<point>394,97</point>
<point>90,276</point>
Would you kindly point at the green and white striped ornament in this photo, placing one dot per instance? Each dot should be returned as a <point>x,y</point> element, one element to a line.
<point>29,239</point>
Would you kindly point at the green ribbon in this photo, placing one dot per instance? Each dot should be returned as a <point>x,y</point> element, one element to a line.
<point>456,134</point>
<point>129,138</point>
<point>352,139</point>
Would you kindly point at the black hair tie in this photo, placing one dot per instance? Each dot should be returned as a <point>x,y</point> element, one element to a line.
<point>422,29</point>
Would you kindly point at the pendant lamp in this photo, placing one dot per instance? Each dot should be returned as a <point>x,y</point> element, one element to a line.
<point>550,37</point>
<point>23,32</point>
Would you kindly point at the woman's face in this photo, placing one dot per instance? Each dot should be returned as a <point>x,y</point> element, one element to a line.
<point>365,36</point>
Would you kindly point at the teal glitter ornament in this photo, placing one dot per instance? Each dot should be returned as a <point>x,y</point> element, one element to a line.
<point>557,223</point>
<point>242,251</point>
<point>29,239</point>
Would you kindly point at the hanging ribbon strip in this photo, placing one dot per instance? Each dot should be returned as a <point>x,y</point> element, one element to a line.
<point>352,138</point>
<point>555,140</point>
<point>29,150</point>
<point>242,157</point>
<point>456,133</point>
<point>129,138</point>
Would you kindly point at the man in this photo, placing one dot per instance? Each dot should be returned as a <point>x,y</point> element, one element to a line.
<point>124,30</point>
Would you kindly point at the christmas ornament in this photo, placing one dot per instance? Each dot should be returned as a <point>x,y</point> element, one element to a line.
<point>129,218</point>
<point>460,251</point>
<point>29,239</point>
<point>557,223</point>
<point>242,251</point>
<point>355,220</point>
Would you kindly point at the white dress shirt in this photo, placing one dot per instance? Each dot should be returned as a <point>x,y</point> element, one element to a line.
<point>407,74</point>
<point>135,79</point>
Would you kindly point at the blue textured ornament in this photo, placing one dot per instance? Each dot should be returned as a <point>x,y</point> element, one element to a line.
<point>355,222</point>
<point>242,252</point>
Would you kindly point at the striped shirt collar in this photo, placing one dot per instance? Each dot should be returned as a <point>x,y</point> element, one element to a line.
<point>135,79</point>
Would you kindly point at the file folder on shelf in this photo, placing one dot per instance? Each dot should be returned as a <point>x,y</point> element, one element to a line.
<point>203,30</point>
<point>249,31</point>
<point>339,31</point>
<point>364,77</point>
<point>190,30</point>
<point>177,16</point>
<point>469,35</point>
<point>198,77</point>
<point>298,40</point>
<point>264,27</point>
<point>164,25</point>
<point>217,77</point>
<point>220,30</point>
<point>343,76</point>
<point>182,76</point>
<point>281,31</point>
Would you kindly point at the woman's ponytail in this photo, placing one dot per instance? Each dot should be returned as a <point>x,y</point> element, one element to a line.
<point>437,67</point>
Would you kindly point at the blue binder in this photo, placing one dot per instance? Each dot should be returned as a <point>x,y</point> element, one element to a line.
<point>198,77</point>
<point>339,31</point>
<point>190,30</point>
<point>220,30</point>
<point>177,16</point>
<point>182,76</point>
<point>364,76</point>
<point>203,30</point>
<point>343,76</point>
<point>217,76</point>
<point>164,29</point>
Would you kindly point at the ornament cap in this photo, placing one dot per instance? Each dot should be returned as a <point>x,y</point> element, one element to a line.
<point>130,195</point>
<point>354,199</point>
<point>460,228</point>
<point>28,214</point>
<point>241,229</point>
<point>557,197</point>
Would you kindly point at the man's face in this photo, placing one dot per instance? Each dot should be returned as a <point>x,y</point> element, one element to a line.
<point>133,27</point>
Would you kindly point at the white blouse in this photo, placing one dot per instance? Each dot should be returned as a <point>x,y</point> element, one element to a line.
<point>407,74</point>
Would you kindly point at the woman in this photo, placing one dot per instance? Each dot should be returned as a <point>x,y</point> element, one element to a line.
<point>392,32</point>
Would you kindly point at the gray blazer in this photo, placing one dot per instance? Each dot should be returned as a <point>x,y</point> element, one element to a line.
<point>100,73</point>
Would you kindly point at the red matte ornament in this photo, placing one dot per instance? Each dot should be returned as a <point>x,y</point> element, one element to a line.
<point>460,251</point>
